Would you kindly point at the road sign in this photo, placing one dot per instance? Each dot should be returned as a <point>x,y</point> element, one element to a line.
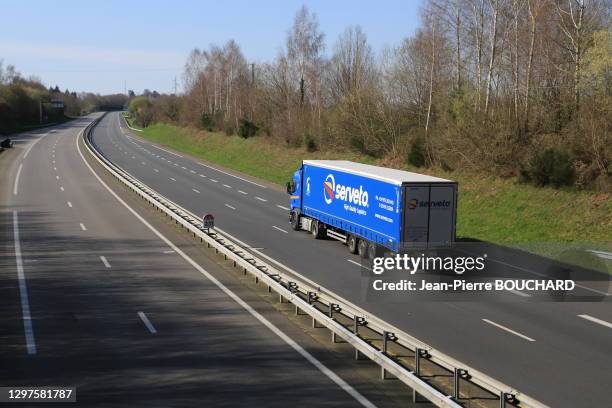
<point>208,221</point>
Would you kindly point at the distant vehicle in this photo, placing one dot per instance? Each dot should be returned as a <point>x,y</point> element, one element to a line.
<point>6,143</point>
<point>371,208</point>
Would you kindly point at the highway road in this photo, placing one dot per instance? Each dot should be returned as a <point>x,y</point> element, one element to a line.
<point>95,295</point>
<point>559,353</point>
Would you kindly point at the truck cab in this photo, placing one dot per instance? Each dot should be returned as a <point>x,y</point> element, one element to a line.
<point>294,189</point>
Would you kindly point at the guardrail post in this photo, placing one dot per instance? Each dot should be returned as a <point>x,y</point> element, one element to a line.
<point>502,400</point>
<point>331,316</point>
<point>417,372</point>
<point>385,338</point>
<point>456,379</point>
<point>356,321</point>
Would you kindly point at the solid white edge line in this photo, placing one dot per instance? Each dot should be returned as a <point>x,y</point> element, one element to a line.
<point>596,320</point>
<point>16,185</point>
<point>105,261</point>
<point>32,145</point>
<point>299,349</point>
<point>280,229</point>
<point>23,289</point>
<point>508,330</point>
<point>358,264</point>
<point>147,322</point>
<point>167,151</point>
<point>519,293</point>
<point>232,175</point>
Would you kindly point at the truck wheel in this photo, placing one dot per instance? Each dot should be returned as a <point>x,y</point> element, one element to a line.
<point>294,219</point>
<point>373,250</point>
<point>317,231</point>
<point>363,248</point>
<point>352,242</point>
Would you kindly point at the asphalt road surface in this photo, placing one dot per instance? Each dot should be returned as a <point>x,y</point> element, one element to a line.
<point>559,353</point>
<point>92,297</point>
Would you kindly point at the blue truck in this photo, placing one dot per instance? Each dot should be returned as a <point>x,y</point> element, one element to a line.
<point>372,209</point>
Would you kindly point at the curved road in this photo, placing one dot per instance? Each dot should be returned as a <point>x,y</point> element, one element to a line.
<point>559,353</point>
<point>92,296</point>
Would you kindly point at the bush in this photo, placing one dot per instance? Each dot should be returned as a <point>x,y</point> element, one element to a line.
<point>228,129</point>
<point>247,128</point>
<point>416,156</point>
<point>550,166</point>
<point>310,143</point>
<point>206,122</point>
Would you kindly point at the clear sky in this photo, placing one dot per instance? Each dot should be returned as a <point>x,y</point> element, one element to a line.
<point>96,46</point>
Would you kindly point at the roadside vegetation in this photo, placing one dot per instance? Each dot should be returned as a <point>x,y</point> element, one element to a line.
<point>25,103</point>
<point>512,88</point>
<point>512,99</point>
<point>490,208</point>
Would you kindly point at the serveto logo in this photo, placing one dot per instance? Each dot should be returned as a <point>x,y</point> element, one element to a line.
<point>414,203</point>
<point>328,189</point>
<point>353,195</point>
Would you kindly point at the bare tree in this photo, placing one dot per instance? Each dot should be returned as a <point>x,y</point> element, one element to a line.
<point>305,46</point>
<point>495,4</point>
<point>577,20</point>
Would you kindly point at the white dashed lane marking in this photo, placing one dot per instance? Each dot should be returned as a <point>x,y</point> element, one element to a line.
<point>105,261</point>
<point>280,229</point>
<point>596,320</point>
<point>508,329</point>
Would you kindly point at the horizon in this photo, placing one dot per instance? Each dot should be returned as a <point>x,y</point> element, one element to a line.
<point>137,55</point>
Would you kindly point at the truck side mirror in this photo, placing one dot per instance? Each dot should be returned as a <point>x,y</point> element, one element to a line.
<point>289,189</point>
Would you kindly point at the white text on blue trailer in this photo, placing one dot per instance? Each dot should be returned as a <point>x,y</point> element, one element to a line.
<point>371,208</point>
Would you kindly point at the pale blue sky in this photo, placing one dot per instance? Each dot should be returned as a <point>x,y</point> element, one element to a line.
<point>90,46</point>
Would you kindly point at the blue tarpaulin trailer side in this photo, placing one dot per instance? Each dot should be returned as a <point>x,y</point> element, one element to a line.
<point>379,206</point>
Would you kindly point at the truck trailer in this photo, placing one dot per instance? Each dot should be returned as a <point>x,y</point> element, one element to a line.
<point>372,209</point>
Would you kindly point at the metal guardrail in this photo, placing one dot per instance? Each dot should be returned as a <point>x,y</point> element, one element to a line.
<point>325,308</point>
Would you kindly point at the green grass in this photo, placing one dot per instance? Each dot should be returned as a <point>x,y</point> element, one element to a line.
<point>490,208</point>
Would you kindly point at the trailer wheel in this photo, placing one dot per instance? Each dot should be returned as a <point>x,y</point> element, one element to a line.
<point>294,219</point>
<point>352,243</point>
<point>363,248</point>
<point>373,250</point>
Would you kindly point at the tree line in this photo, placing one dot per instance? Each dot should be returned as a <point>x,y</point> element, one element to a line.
<point>27,101</point>
<point>516,88</point>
